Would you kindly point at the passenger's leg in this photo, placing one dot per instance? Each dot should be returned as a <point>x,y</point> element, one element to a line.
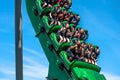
<point>61,39</point>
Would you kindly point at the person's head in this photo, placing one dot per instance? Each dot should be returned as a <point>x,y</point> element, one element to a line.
<point>85,46</point>
<point>89,45</point>
<point>64,0</point>
<point>68,30</point>
<point>86,31</point>
<point>83,50</point>
<point>78,42</point>
<point>97,47</point>
<point>70,58</point>
<point>64,12</point>
<point>76,32</point>
<point>69,1</point>
<point>58,1</point>
<point>76,48</point>
<point>59,15</point>
<point>82,44</point>
<point>97,50</point>
<point>61,3</point>
<point>66,25</point>
<point>66,16</point>
<point>80,48</point>
<point>91,48</point>
<point>71,14</point>
<point>77,29</point>
<point>65,5</point>
<point>77,16</point>
<point>49,6</point>
<point>72,28</point>
<point>81,30</point>
<point>58,9</point>
<point>86,51</point>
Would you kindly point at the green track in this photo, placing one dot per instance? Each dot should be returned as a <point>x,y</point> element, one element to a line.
<point>59,66</point>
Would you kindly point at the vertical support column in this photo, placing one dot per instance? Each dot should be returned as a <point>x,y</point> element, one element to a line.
<point>18,40</point>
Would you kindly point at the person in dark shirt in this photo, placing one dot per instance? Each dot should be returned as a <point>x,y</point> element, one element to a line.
<point>74,51</point>
<point>86,35</point>
<point>75,19</point>
<point>61,33</point>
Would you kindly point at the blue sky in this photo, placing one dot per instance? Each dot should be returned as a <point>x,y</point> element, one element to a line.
<point>100,17</point>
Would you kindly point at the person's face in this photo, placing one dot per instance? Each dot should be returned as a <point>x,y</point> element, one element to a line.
<point>85,45</point>
<point>76,32</point>
<point>77,16</point>
<point>81,31</point>
<point>65,12</point>
<point>89,45</point>
<point>64,0</point>
<point>65,4</point>
<point>91,48</point>
<point>58,10</point>
<point>78,42</point>
<point>69,1</point>
<point>97,50</point>
<point>71,15</point>
<point>72,29</point>
<point>82,44</point>
<point>68,30</point>
<point>67,25</point>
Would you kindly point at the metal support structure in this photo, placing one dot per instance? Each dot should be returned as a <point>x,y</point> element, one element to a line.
<point>18,39</point>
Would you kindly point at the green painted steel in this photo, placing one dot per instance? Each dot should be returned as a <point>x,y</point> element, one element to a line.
<point>60,68</point>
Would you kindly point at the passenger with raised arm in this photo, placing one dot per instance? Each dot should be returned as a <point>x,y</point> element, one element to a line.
<point>46,3</point>
<point>74,51</point>
<point>61,33</point>
<point>66,3</point>
<point>75,20</point>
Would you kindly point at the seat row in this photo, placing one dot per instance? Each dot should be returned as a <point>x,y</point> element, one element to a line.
<point>61,25</point>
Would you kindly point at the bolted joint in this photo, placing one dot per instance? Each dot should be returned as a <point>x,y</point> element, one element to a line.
<point>36,12</point>
<point>61,66</point>
<point>51,47</point>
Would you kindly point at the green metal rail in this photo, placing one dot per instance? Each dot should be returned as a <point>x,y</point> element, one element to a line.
<point>60,68</point>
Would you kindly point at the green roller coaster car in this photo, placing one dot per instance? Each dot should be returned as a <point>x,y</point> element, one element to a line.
<point>81,69</point>
<point>49,28</point>
<point>38,5</point>
<point>63,45</point>
<point>75,70</point>
<point>59,46</point>
<point>48,10</point>
<point>43,11</point>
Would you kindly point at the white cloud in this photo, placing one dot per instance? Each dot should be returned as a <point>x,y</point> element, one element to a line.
<point>35,53</point>
<point>34,69</point>
<point>6,70</point>
<point>31,51</point>
<point>27,51</point>
<point>39,71</point>
<point>110,76</point>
